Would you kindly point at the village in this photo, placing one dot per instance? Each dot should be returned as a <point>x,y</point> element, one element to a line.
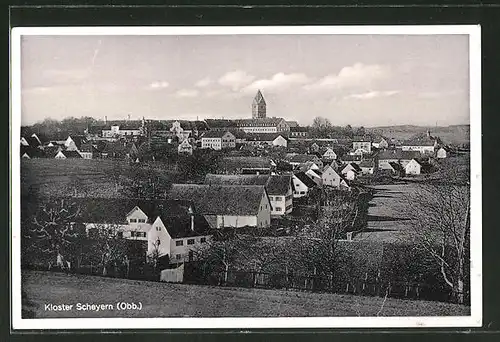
<point>260,184</point>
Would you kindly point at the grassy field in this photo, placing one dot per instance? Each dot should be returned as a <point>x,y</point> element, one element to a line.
<point>178,300</point>
<point>53,176</point>
<point>385,222</point>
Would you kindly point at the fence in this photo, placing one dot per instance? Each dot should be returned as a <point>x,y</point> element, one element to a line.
<point>316,283</point>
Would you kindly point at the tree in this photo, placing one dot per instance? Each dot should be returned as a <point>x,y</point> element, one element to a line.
<point>52,234</point>
<point>440,226</point>
<point>360,131</point>
<point>108,249</point>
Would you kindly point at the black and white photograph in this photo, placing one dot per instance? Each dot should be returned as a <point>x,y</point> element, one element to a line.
<point>246,177</point>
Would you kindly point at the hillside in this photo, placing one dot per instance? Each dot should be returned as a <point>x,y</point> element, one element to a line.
<point>456,134</point>
<point>93,178</point>
<point>179,300</point>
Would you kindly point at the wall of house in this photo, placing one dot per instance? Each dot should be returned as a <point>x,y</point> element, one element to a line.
<point>383,164</point>
<point>364,145</point>
<point>330,177</point>
<point>300,189</point>
<point>280,141</point>
<point>236,221</point>
<point>264,215</point>
<point>350,175</point>
<point>215,143</point>
<point>181,253</point>
<point>421,149</point>
<point>158,232</point>
<point>257,129</point>
<point>412,168</point>
<point>86,155</point>
<point>441,153</point>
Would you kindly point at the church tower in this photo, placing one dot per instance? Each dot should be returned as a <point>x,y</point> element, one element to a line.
<point>259,106</point>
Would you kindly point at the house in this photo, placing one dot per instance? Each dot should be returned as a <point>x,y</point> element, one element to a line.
<point>74,143</point>
<point>68,154</point>
<point>331,178</point>
<point>125,129</point>
<point>263,125</point>
<point>328,154</point>
<point>180,132</point>
<point>120,150</point>
<point>278,187</point>
<point>272,139</point>
<point>315,176</point>
<point>246,165</point>
<point>89,151</point>
<point>218,140</point>
<point>185,148</point>
<point>302,184</point>
<point>363,144</point>
<point>308,166</point>
<point>170,228</point>
<point>397,169</point>
<point>28,152</point>
<point>367,167</point>
<point>227,205</point>
<point>381,144</point>
<point>351,170</point>
<point>395,156</point>
<point>298,132</point>
<point>424,144</point>
<point>414,167</point>
<point>298,159</point>
<point>352,158</point>
<point>292,124</point>
<point>442,152</point>
<point>314,148</point>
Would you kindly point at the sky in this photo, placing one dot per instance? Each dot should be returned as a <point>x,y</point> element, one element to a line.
<point>361,80</point>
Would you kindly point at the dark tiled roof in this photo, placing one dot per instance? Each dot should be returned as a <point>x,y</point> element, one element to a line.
<point>398,155</point>
<point>292,124</point>
<point>174,214</point>
<point>305,179</point>
<point>87,147</point>
<point>278,184</point>
<point>366,163</point>
<point>354,166</point>
<point>221,199</point>
<point>79,140</point>
<point>215,134</point>
<point>259,122</point>
<point>263,136</point>
<point>214,179</point>
<point>246,162</point>
<point>302,158</point>
<point>220,123</point>
<point>298,129</point>
<point>71,154</point>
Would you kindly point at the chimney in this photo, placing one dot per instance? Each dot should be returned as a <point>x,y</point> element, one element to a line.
<point>428,133</point>
<point>105,119</point>
<point>129,117</point>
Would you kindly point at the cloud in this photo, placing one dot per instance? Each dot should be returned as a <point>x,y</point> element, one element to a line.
<point>351,76</point>
<point>203,82</point>
<point>236,79</point>
<point>187,93</point>
<point>159,85</point>
<point>372,94</point>
<point>279,81</point>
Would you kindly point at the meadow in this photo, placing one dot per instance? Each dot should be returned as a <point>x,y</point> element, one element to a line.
<point>90,177</point>
<point>180,300</point>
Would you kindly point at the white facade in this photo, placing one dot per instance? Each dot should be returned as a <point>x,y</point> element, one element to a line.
<point>421,149</point>
<point>282,205</point>
<point>300,189</point>
<point>441,153</point>
<point>185,147</point>
<point>228,140</point>
<point>70,145</point>
<point>330,177</point>
<point>365,146</point>
<point>329,155</point>
<point>116,131</point>
<point>280,141</point>
<point>350,174</point>
<point>413,167</point>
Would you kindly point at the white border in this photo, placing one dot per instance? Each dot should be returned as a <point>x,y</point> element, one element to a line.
<point>474,320</point>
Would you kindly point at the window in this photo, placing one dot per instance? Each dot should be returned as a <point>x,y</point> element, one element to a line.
<point>158,229</point>
<point>132,220</point>
<point>279,199</point>
<point>120,234</point>
<point>178,256</point>
<point>203,240</point>
<point>179,243</point>
<point>141,220</point>
<point>302,192</point>
<point>271,198</point>
<point>278,208</point>
<point>190,241</point>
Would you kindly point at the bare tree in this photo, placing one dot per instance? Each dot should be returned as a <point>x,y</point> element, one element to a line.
<point>108,247</point>
<point>52,233</point>
<point>440,225</point>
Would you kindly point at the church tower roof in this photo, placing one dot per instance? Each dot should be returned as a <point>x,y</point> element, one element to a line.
<point>259,98</point>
